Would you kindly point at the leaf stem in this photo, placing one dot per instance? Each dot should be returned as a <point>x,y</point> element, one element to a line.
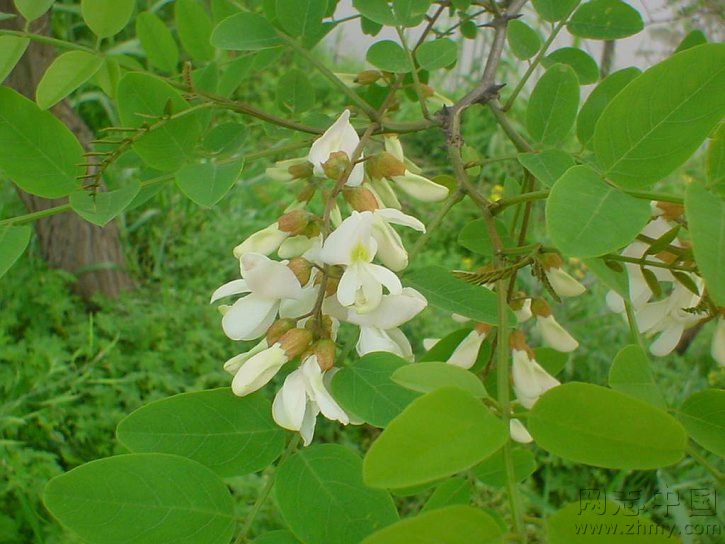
<point>633,328</point>
<point>62,44</point>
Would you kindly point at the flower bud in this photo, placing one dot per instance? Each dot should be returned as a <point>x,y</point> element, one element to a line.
<point>384,165</point>
<point>669,210</point>
<point>361,199</point>
<point>279,328</point>
<point>290,169</point>
<point>519,433</point>
<point>302,269</point>
<point>300,170</point>
<point>324,350</point>
<point>521,307</point>
<point>367,77</point>
<point>264,241</point>
<point>306,194</point>
<point>540,308</point>
<point>294,222</point>
<point>295,341</point>
<point>336,165</point>
<point>562,283</point>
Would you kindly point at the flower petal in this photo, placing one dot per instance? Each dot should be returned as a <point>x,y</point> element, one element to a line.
<point>249,317</point>
<point>555,335</point>
<point>234,287</point>
<point>269,278</point>
<point>466,352</point>
<point>259,370</point>
<point>421,188</point>
<point>288,408</point>
<point>391,215</point>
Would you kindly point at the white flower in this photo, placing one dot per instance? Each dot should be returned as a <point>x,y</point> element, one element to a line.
<point>267,282</point>
<point>236,362</point>
<point>554,334</point>
<point>258,370</point>
<point>412,182</point>
<point>288,169</point>
<point>519,433</point>
<point>466,352</point>
<point>353,245</point>
<point>391,251</point>
<point>668,319</point>
<point>430,343</point>
<point>391,340</point>
<point>523,312</point>
<point>563,284</point>
<point>341,136</point>
<point>718,342</point>
<point>305,394</point>
<point>530,379</point>
<point>264,241</point>
<point>294,246</point>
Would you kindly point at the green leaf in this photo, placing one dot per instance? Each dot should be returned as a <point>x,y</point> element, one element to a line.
<point>33,9</point>
<point>143,498</point>
<point>585,217</point>
<point>523,40</point>
<point>703,415</point>
<point>12,49</point>
<point>194,27</point>
<point>301,17</point>
<point>553,105</point>
<point>67,72</point>
<point>631,374</point>
<point>38,152</point>
<point>452,525</point>
<point>100,208</point>
<point>231,435</point>
<point>295,93</point>
<point>276,537</point>
<point>706,221</point>
<point>322,497</point>
<point>389,56</point>
<point>693,38</point>
<point>597,101</point>
<point>715,164</point>
<point>225,138</point>
<point>616,280</point>
<point>13,241</point>
<point>107,17</point>
<point>171,143</point>
<point>583,64</point>
<point>245,32</point>
<point>644,133</point>
<point>365,388</point>
<point>107,76</point>
<point>206,182</point>
<point>589,424</point>
<point>554,10</point>
<point>474,236</point>
<point>551,360</point>
<point>437,435</point>
<point>618,525</point>
<point>492,471</point>
<point>605,20</point>
<point>452,491</point>
<point>429,376</point>
<point>157,42</point>
<point>435,54</point>
<point>547,166</point>
<point>448,293</point>
<point>410,12</point>
<point>377,11</point>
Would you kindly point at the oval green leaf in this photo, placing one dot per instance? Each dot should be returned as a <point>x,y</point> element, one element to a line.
<point>99,208</point>
<point>429,376</point>
<point>553,105</point>
<point>555,10</point>
<point>597,101</point>
<point>437,435</point>
<point>435,54</point>
<point>33,9</point>
<point>245,32</point>
<point>157,42</point>
<point>644,133</point>
<point>589,424</point>
<point>631,374</point>
<point>605,20</point>
<point>322,497</point>
<point>107,17</point>
<point>13,241</point>
<point>547,166</point>
<point>38,152</point>
<point>143,498</point>
<point>194,27</point>
<point>67,72</point>
<point>231,435</point>
<point>206,182</point>
<point>523,40</point>
<point>706,222</point>
<point>703,415</point>
<point>585,217</point>
<point>456,490</point>
<point>583,64</point>
<point>301,17</point>
<point>295,93</point>
<point>452,525</point>
<point>12,49</point>
<point>389,56</point>
<point>492,471</point>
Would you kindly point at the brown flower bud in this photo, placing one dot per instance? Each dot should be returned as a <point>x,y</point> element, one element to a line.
<point>550,260</point>
<point>384,165</point>
<point>426,91</point>
<point>483,328</point>
<point>301,170</point>
<point>295,341</point>
<point>306,194</point>
<point>324,350</point>
<point>336,165</point>
<point>294,222</point>
<point>540,308</point>
<point>368,77</point>
<point>361,199</point>
<point>517,340</point>
<point>278,328</point>
<point>301,268</point>
<point>670,210</point>
<point>517,303</point>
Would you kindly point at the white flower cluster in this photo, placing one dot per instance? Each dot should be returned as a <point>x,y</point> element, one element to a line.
<point>296,304</point>
<point>665,320</point>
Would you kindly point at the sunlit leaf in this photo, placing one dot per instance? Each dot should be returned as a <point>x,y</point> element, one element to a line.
<point>631,374</point>
<point>429,376</point>
<point>583,64</point>
<point>245,32</point>
<point>157,42</point>
<point>547,166</point>
<point>553,105</point>
<point>605,20</point>
<point>100,208</point>
<point>389,56</point>
<point>439,53</point>
<point>107,17</point>
<point>194,27</point>
<point>67,72</point>
<point>523,40</point>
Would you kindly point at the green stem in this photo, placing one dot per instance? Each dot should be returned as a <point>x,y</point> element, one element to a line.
<point>652,195</point>
<point>645,262</point>
<point>266,490</point>
<point>503,203</point>
<point>633,328</point>
<point>414,73</point>
<point>513,135</point>
<point>28,217</point>
<point>62,44</point>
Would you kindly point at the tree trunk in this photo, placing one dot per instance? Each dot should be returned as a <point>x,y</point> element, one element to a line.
<point>92,253</point>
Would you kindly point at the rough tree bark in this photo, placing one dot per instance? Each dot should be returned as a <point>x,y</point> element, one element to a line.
<point>66,241</point>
